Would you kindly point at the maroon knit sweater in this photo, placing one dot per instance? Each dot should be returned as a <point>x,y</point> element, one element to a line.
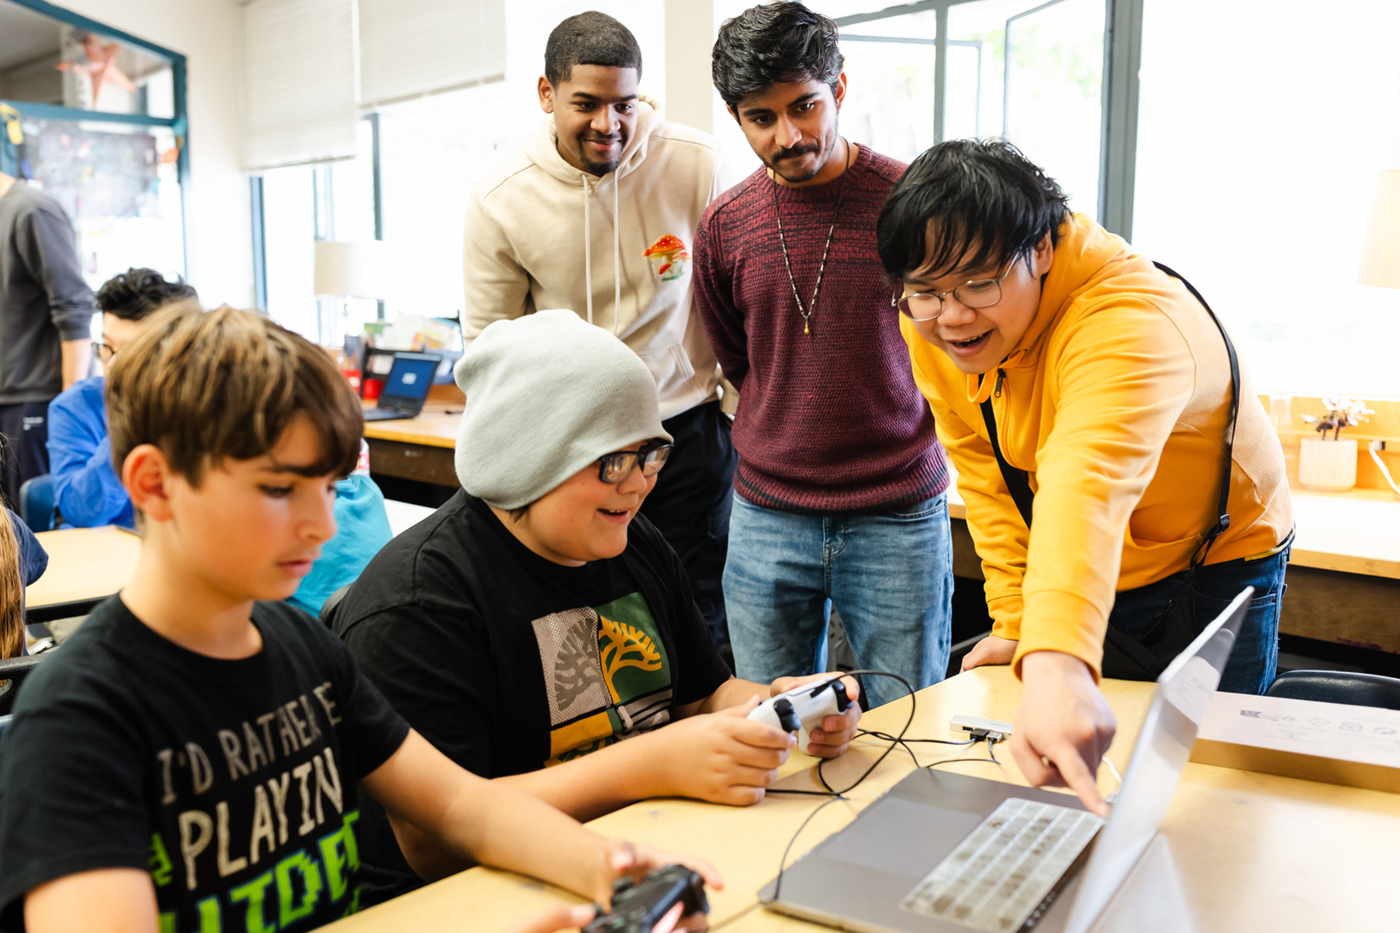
<point>831,421</point>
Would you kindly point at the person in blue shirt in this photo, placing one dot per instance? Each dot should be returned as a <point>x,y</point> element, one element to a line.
<point>88,492</point>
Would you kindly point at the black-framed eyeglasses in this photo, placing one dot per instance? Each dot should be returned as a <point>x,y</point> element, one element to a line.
<point>104,351</point>
<point>974,293</point>
<point>615,467</point>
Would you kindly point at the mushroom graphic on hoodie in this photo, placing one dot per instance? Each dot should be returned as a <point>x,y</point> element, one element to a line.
<point>670,251</point>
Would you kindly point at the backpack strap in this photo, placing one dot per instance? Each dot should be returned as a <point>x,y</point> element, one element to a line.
<point>1018,483</point>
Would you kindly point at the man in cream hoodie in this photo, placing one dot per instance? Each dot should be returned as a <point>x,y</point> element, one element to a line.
<point>597,214</point>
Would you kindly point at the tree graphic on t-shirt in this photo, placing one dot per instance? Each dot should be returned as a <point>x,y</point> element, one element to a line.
<point>625,646</point>
<point>572,674</point>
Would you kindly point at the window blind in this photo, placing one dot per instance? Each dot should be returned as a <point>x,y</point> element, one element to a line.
<point>413,47</point>
<point>299,66</point>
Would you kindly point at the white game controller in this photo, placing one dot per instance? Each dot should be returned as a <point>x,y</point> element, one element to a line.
<point>803,708</point>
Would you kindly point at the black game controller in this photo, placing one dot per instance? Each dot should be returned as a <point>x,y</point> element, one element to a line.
<point>637,906</point>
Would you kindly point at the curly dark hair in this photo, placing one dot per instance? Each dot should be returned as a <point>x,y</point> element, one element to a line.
<point>990,202</point>
<point>590,38</point>
<point>137,293</point>
<point>772,43</point>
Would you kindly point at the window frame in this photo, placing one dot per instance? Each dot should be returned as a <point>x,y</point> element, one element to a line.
<point>179,123</point>
<point>1122,59</point>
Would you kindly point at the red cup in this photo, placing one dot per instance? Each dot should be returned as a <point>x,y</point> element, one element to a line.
<point>372,388</point>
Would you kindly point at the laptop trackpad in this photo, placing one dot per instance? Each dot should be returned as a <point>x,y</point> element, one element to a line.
<point>900,837</point>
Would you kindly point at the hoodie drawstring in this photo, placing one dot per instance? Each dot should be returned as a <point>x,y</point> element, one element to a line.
<point>617,251</point>
<point>587,250</point>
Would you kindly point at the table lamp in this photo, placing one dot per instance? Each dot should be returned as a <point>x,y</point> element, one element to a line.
<point>348,270</point>
<point>1380,261</point>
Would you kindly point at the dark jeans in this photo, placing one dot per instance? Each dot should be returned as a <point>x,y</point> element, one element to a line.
<point>24,452</point>
<point>1254,660</point>
<point>690,507</point>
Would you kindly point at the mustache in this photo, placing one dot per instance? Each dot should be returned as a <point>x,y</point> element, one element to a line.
<point>599,138</point>
<point>797,151</point>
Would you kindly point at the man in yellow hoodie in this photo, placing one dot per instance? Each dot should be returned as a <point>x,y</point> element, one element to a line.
<point>1110,388</point>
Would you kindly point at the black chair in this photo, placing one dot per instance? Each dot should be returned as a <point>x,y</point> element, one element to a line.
<point>15,670</point>
<point>327,613</point>
<point>1338,687</point>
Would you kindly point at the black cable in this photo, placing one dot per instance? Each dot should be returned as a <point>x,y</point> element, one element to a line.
<point>782,864</point>
<point>992,751</point>
<point>821,776</point>
<point>724,923</point>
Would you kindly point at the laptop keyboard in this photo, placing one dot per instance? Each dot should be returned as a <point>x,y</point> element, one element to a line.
<point>1000,875</point>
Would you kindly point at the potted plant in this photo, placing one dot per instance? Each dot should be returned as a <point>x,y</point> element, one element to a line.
<point>1327,462</point>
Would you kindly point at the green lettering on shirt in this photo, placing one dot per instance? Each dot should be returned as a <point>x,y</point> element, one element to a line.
<point>340,855</point>
<point>159,862</point>
<point>209,918</point>
<point>255,894</point>
<point>306,866</point>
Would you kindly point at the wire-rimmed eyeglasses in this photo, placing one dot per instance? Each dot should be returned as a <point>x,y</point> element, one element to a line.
<point>974,294</point>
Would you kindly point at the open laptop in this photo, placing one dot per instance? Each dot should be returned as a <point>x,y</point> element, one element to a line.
<point>407,387</point>
<point>943,852</point>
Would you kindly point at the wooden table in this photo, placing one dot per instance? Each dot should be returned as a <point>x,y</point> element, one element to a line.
<point>1238,851</point>
<point>418,448</point>
<point>85,565</point>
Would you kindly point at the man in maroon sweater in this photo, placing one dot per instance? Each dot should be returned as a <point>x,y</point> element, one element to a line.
<point>840,487</point>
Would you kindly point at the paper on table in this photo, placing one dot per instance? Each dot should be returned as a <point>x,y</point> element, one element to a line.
<point>1326,730</point>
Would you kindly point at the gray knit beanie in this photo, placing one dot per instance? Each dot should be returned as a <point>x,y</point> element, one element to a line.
<point>547,394</point>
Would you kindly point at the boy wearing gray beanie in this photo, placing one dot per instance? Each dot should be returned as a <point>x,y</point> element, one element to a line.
<point>536,619</point>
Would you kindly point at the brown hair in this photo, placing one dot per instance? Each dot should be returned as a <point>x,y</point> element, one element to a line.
<point>226,383</point>
<point>11,590</point>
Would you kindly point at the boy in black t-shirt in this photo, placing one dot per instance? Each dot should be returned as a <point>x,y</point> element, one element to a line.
<point>192,758</point>
<point>536,621</point>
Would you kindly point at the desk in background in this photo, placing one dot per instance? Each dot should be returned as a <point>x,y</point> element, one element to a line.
<point>86,565</point>
<point>1239,851</point>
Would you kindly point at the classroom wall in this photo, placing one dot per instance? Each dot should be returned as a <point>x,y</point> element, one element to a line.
<point>217,202</point>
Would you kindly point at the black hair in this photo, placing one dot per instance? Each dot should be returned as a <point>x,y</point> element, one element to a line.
<point>590,38</point>
<point>990,204</point>
<point>137,293</point>
<point>772,43</point>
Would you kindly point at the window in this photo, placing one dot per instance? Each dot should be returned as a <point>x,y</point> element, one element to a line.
<point>1048,98</point>
<point>104,133</point>
<point>1261,135</point>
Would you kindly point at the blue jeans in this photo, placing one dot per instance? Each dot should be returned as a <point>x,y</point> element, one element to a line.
<point>889,574</point>
<point>1255,658</point>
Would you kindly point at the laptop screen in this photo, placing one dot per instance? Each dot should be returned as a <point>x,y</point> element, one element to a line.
<point>410,378</point>
<point>1164,746</point>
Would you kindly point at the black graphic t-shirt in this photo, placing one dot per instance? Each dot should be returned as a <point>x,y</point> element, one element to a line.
<point>508,662</point>
<point>234,783</point>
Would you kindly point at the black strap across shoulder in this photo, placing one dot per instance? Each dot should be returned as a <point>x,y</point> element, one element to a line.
<point>1018,483</point>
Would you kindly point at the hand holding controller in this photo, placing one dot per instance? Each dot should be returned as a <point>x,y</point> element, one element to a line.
<point>653,905</point>
<point>803,708</point>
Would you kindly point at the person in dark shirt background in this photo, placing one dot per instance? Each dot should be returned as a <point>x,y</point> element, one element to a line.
<point>839,496</point>
<point>45,323</point>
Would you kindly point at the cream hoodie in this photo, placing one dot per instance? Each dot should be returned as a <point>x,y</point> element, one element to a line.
<point>543,234</point>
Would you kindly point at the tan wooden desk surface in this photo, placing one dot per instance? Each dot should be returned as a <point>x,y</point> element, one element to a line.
<point>435,426</point>
<point>84,564</point>
<point>1241,851</point>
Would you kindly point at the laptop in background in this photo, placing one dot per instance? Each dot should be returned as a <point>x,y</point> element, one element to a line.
<point>406,388</point>
<point>943,852</point>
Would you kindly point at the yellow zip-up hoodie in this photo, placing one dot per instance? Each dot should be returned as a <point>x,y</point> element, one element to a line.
<point>1115,403</point>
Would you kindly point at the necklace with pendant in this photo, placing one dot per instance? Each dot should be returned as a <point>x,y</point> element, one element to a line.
<point>807,310</point>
